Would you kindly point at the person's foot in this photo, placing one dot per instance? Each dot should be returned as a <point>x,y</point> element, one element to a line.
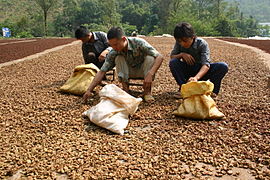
<point>148,98</point>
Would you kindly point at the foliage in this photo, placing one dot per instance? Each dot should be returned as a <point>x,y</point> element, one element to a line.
<point>148,17</point>
<point>45,6</point>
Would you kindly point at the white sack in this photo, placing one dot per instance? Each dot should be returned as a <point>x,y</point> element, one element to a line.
<point>113,109</point>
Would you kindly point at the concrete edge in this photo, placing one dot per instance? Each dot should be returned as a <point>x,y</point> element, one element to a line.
<point>16,42</point>
<point>262,54</point>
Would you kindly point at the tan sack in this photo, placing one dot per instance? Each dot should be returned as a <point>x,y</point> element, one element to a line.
<point>197,103</point>
<point>80,80</point>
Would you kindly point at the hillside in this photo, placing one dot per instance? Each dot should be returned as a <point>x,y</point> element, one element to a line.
<point>25,18</point>
<point>16,9</point>
<point>257,8</point>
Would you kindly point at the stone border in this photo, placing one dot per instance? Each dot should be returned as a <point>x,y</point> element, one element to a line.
<point>15,42</point>
<point>27,58</point>
<point>262,54</point>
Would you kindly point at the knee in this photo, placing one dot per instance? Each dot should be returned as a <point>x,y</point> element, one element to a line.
<point>149,59</point>
<point>119,59</point>
<point>148,62</point>
<point>173,63</point>
<point>224,67</point>
<point>176,64</point>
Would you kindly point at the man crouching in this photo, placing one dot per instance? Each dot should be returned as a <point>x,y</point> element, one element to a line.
<point>133,58</point>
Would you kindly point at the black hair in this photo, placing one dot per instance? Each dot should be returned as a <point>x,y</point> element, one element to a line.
<point>115,32</point>
<point>183,30</point>
<point>81,32</point>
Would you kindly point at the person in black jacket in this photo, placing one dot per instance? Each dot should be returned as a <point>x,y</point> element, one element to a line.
<point>95,45</point>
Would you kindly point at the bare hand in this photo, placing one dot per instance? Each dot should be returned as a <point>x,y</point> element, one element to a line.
<point>148,80</point>
<point>103,55</point>
<point>192,79</point>
<point>86,96</point>
<point>188,58</point>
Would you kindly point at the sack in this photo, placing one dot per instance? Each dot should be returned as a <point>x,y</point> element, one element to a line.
<point>197,103</point>
<point>80,80</point>
<point>114,108</point>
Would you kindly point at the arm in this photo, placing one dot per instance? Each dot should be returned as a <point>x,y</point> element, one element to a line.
<point>149,77</point>
<point>177,54</point>
<point>96,81</point>
<point>204,69</point>
<point>205,61</point>
<point>106,43</point>
<point>103,55</point>
<point>151,51</point>
<point>176,51</point>
<point>108,65</point>
<point>157,64</point>
<point>85,54</point>
<point>185,57</point>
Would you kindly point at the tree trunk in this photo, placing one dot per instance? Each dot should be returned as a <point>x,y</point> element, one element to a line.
<point>45,23</point>
<point>218,8</point>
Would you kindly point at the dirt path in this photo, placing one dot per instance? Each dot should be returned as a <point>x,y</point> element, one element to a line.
<point>44,136</point>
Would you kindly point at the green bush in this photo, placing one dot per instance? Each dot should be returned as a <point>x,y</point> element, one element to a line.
<point>129,29</point>
<point>223,27</point>
<point>24,34</point>
<point>96,27</point>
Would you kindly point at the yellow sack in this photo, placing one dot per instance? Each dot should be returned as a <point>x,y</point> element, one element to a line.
<point>197,103</point>
<point>80,80</point>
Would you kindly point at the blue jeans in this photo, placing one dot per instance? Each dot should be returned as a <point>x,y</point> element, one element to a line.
<point>181,71</point>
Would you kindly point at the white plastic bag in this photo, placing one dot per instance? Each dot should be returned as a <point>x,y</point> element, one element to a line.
<point>113,109</point>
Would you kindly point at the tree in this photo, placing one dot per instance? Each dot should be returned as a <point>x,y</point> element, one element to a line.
<point>89,12</point>
<point>223,27</point>
<point>135,15</point>
<point>67,20</point>
<point>218,8</point>
<point>45,6</point>
<point>149,17</point>
<point>109,16</point>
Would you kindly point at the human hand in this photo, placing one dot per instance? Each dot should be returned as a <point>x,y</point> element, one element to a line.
<point>188,58</point>
<point>103,55</point>
<point>148,80</point>
<point>192,79</point>
<point>87,95</point>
